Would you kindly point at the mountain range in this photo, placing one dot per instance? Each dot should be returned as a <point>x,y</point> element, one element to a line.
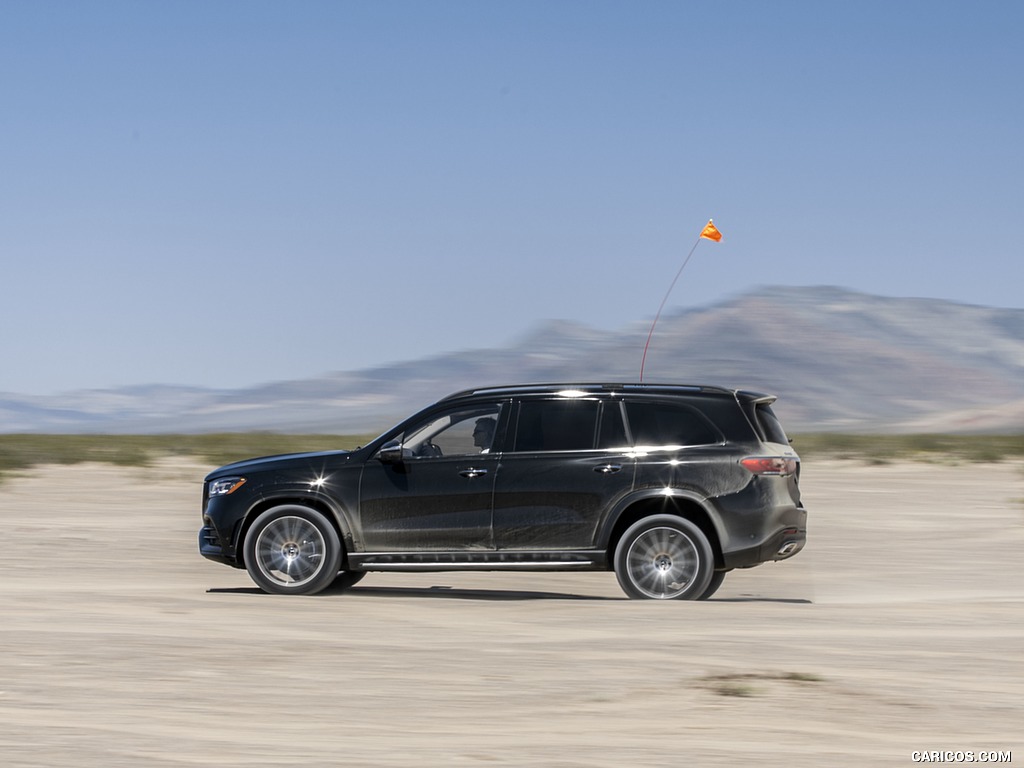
<point>837,359</point>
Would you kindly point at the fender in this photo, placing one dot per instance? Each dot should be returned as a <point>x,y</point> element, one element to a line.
<point>267,497</point>
<point>659,494</point>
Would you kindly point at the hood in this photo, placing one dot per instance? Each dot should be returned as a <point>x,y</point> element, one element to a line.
<point>280,461</point>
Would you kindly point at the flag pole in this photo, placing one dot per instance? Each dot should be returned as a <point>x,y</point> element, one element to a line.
<point>710,232</point>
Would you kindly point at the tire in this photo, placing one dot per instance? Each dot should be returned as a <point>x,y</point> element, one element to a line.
<point>346,579</point>
<point>292,550</point>
<point>716,581</point>
<point>664,557</point>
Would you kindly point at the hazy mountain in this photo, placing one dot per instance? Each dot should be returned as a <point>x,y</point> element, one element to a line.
<point>839,360</point>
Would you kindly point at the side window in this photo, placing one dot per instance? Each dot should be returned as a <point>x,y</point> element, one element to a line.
<point>556,425</point>
<point>457,432</point>
<point>654,423</point>
<point>612,431</point>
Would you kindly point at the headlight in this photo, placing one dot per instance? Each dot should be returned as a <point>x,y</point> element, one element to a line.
<point>226,485</point>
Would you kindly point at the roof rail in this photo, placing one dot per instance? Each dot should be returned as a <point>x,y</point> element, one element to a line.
<point>542,387</point>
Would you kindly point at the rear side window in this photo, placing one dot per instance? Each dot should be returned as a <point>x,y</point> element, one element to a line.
<point>556,425</point>
<point>669,424</point>
<point>612,431</point>
<point>770,424</point>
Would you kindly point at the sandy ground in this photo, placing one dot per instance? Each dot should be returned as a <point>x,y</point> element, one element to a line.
<point>899,629</point>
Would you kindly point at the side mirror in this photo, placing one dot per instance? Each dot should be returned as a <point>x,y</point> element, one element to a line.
<point>391,452</point>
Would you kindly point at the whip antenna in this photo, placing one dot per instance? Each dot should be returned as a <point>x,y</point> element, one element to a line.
<point>710,232</point>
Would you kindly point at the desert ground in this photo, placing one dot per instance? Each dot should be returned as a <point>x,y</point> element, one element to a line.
<point>899,629</point>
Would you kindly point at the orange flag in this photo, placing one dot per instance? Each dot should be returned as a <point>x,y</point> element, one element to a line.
<point>710,232</point>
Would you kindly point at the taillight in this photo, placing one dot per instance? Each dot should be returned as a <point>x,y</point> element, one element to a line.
<point>770,465</point>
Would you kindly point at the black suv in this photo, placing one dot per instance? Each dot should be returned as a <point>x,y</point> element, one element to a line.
<point>669,486</point>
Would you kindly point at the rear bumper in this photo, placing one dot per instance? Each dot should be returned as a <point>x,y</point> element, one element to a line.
<point>781,545</point>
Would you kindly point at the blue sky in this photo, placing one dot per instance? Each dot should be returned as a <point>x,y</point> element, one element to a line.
<point>229,193</point>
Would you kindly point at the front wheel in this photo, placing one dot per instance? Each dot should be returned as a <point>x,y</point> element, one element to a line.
<point>664,558</point>
<point>347,579</point>
<point>292,550</point>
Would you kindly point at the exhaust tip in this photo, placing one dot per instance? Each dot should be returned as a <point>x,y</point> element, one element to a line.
<point>788,549</point>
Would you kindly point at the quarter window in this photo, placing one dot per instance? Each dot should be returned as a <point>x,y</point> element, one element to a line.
<point>654,424</point>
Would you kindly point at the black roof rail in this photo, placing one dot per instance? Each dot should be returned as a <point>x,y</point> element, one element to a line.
<point>553,387</point>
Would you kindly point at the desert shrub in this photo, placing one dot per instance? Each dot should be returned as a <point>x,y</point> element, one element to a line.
<point>883,449</point>
<point>24,451</point>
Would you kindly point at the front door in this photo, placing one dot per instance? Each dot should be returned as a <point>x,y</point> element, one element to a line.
<point>438,497</point>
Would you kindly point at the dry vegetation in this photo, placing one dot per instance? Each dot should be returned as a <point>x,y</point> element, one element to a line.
<point>24,451</point>
<point>882,449</point>
<point>27,450</point>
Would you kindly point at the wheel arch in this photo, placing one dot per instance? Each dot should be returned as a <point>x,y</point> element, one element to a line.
<point>319,503</point>
<point>657,502</point>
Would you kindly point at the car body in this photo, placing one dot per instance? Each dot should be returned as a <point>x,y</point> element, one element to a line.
<point>670,486</point>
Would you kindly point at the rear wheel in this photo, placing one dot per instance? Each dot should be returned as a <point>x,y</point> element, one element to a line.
<point>292,550</point>
<point>664,558</point>
<point>716,581</point>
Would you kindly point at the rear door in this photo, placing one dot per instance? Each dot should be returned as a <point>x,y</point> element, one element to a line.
<point>565,464</point>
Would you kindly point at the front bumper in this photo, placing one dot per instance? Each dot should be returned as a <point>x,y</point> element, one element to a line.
<point>210,547</point>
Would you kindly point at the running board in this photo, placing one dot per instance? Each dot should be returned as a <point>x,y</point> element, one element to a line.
<point>481,561</point>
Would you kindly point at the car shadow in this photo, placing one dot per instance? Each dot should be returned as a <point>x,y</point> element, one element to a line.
<point>492,595</point>
<point>789,600</point>
<point>444,593</point>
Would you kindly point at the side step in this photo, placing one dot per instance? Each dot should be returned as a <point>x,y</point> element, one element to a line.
<point>483,561</point>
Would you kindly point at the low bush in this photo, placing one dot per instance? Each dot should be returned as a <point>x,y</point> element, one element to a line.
<point>24,451</point>
<point>881,449</point>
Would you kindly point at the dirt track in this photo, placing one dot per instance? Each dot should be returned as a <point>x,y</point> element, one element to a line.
<point>900,628</point>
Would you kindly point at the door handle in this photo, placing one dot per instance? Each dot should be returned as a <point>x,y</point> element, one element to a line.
<point>608,469</point>
<point>473,472</point>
